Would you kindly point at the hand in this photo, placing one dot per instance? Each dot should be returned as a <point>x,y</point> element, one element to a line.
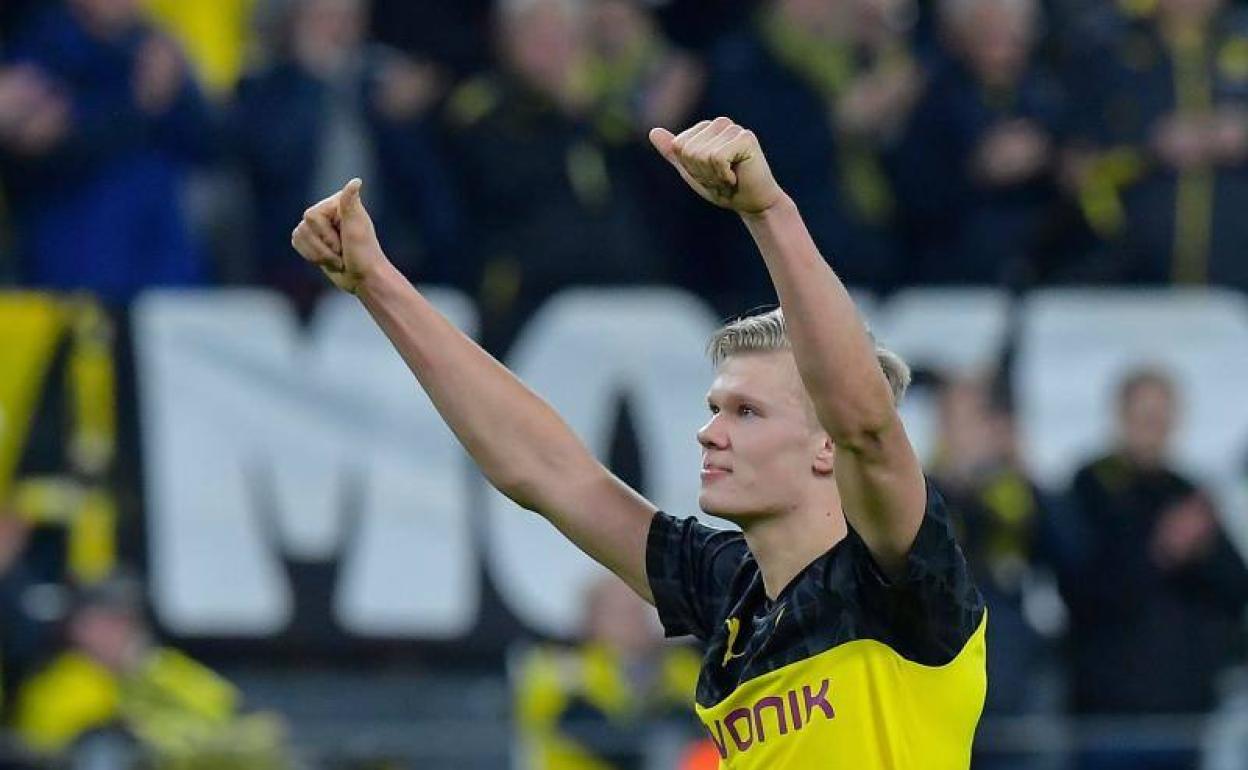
<point>670,96</point>
<point>1183,141</point>
<point>1011,153</point>
<point>1230,135</point>
<point>723,163</point>
<point>877,106</point>
<point>158,75</point>
<point>44,126</point>
<point>1184,533</point>
<point>338,236</point>
<point>21,88</point>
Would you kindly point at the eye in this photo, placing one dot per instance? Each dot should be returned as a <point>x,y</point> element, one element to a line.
<point>713,409</point>
<point>745,410</point>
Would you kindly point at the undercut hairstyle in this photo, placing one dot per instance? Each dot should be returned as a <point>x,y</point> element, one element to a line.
<point>766,332</point>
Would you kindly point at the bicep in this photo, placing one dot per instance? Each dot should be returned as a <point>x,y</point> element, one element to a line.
<point>606,519</point>
<point>882,492</point>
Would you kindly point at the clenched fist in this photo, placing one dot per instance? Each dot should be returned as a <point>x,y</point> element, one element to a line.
<point>337,235</point>
<point>723,163</point>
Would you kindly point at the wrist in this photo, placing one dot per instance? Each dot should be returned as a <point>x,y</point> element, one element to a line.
<point>782,206</point>
<point>376,278</point>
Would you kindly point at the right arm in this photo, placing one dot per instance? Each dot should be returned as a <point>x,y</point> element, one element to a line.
<point>521,445</point>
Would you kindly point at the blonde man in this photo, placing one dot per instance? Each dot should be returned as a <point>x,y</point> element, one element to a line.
<point>841,626</point>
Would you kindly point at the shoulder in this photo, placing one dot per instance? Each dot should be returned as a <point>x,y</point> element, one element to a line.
<point>695,572</point>
<point>930,612</point>
<point>666,528</point>
<point>685,547</point>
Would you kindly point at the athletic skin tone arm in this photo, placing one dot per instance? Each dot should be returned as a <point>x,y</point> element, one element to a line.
<point>878,475</point>
<point>524,448</point>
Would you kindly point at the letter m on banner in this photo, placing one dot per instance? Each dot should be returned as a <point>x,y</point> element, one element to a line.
<point>265,445</point>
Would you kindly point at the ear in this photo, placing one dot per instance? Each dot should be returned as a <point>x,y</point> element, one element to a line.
<point>825,457</point>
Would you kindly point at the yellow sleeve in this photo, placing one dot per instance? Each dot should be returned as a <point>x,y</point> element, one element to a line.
<point>69,697</point>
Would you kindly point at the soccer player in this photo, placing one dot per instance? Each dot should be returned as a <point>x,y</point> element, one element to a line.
<point>841,626</point>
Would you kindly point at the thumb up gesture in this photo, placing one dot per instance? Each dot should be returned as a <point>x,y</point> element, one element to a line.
<point>723,163</point>
<point>337,235</point>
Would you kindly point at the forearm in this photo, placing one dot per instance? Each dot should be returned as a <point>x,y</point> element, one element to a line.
<point>517,440</point>
<point>834,353</point>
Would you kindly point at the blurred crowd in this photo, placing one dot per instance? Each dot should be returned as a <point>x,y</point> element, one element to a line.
<point>1012,143</point>
<point>1152,590</point>
<point>999,142</point>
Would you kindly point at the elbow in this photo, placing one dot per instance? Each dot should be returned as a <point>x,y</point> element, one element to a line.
<point>866,417</point>
<point>863,431</point>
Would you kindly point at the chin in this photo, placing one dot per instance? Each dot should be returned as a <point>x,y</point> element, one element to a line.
<point>712,506</point>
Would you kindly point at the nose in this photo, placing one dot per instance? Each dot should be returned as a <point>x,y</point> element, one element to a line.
<point>712,435</point>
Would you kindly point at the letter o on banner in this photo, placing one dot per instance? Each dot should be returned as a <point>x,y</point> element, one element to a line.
<point>581,351</point>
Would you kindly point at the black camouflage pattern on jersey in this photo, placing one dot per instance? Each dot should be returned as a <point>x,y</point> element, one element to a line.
<point>702,577</point>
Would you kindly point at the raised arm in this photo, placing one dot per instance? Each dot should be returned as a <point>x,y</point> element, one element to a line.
<point>524,448</point>
<point>878,475</point>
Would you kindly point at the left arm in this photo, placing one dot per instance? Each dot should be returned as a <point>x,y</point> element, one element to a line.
<point>878,475</point>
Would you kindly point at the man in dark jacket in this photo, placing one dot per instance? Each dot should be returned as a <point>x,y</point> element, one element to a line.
<point>529,126</point>
<point>329,107</point>
<point>827,87</point>
<point>1156,600</point>
<point>984,136</point>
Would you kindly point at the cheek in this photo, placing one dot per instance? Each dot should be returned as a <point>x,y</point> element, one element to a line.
<point>772,450</point>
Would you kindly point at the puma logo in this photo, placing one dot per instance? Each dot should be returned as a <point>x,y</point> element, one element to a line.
<point>734,628</point>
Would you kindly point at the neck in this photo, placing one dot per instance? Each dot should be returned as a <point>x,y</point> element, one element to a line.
<point>785,544</point>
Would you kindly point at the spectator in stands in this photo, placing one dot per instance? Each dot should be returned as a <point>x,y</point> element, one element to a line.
<point>1157,597</point>
<point>623,700</point>
<point>1009,531</point>
<point>639,79</point>
<point>327,108</point>
<point>985,135</point>
<point>827,85</point>
<point>549,204</point>
<point>1161,95</point>
<point>116,694</point>
<point>96,194</point>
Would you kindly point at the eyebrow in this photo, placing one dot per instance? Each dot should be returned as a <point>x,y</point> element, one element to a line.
<point>728,394</point>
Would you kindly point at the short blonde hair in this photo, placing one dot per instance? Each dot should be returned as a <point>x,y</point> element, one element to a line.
<point>766,332</point>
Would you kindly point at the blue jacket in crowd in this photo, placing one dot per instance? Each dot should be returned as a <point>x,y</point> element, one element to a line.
<point>103,209</point>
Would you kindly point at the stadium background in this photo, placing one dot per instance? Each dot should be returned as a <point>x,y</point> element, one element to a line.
<point>1029,200</point>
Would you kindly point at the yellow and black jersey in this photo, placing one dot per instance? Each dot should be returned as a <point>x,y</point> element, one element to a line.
<point>845,669</point>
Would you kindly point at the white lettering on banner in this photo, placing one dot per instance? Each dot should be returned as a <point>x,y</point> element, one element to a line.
<point>582,351</point>
<point>253,435</point>
<point>264,443</point>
